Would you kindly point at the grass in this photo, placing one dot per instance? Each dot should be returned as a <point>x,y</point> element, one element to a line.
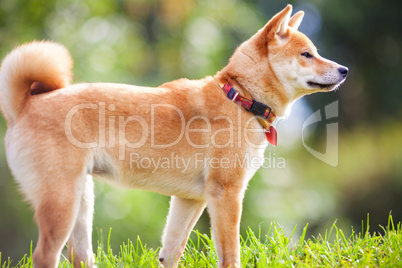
<point>257,250</point>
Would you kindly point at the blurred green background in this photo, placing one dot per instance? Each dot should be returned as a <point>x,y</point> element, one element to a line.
<point>148,42</point>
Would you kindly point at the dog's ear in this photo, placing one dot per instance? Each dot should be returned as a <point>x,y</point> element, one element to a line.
<point>296,19</point>
<point>284,21</point>
<point>275,30</point>
<point>278,25</point>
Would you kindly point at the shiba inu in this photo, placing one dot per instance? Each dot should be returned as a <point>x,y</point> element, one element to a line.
<point>198,141</point>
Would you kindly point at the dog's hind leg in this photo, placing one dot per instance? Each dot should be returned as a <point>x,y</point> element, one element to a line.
<point>80,241</point>
<point>183,215</point>
<point>56,213</point>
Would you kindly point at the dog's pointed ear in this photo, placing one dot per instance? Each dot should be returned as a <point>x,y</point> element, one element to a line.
<point>296,19</point>
<point>278,25</point>
<point>284,21</point>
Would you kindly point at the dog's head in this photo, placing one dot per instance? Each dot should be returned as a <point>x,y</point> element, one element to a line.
<point>280,64</point>
<point>295,59</point>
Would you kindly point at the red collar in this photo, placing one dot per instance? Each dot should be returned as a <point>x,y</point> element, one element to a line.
<point>257,108</point>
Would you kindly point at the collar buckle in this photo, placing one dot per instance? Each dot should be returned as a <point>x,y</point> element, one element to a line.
<point>260,109</point>
<point>251,105</point>
<point>257,108</point>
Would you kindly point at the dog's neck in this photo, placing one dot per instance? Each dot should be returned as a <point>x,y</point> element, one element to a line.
<point>249,70</point>
<point>268,94</point>
<point>259,109</point>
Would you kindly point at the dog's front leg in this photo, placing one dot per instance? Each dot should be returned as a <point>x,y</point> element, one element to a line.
<point>224,203</point>
<point>183,215</point>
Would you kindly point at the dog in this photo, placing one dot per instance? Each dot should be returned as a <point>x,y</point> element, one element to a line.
<point>199,141</point>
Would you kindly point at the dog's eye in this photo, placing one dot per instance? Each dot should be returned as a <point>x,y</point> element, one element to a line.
<point>307,55</point>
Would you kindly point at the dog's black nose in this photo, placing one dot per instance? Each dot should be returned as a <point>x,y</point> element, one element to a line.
<point>344,71</point>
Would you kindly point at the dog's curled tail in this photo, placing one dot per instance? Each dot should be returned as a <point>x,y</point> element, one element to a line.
<point>30,69</point>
